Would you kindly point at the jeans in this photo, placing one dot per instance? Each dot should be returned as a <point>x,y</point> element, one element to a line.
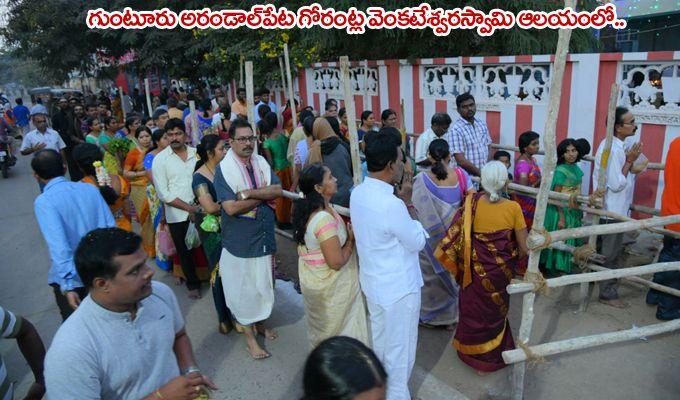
<point>64,308</point>
<point>178,231</point>
<point>668,305</point>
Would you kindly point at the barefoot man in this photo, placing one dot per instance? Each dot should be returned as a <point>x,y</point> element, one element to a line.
<point>246,187</point>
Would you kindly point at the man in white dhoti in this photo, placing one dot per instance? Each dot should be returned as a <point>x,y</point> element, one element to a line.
<point>246,185</point>
<point>388,239</point>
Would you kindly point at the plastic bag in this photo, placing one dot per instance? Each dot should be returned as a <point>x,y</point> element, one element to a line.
<point>191,239</point>
<point>210,223</point>
<point>165,243</point>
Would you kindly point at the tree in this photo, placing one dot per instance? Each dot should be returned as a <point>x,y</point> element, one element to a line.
<point>63,44</point>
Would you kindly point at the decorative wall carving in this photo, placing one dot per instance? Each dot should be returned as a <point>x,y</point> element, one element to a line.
<point>651,91</point>
<point>328,80</point>
<point>496,84</point>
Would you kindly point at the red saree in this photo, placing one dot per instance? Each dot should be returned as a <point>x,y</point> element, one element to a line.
<point>482,264</point>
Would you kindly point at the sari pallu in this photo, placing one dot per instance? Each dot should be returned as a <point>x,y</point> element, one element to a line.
<point>482,264</point>
<point>439,302</point>
<point>138,196</point>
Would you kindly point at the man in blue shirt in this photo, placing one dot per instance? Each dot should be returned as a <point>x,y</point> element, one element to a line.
<point>66,211</point>
<point>21,113</point>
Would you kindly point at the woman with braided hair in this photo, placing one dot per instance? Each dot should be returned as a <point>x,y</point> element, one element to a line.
<point>437,194</point>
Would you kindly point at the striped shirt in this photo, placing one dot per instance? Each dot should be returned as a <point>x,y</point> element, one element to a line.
<point>473,140</point>
<point>10,326</point>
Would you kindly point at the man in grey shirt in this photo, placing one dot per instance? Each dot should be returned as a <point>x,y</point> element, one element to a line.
<point>127,339</point>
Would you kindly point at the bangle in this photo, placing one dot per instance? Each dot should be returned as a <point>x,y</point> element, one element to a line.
<point>157,394</point>
<point>410,206</point>
<point>191,369</point>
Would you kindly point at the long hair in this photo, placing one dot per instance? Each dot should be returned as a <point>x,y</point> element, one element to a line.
<point>208,144</point>
<point>562,148</point>
<point>341,368</point>
<point>439,151</point>
<point>494,178</point>
<point>310,176</point>
<point>85,155</point>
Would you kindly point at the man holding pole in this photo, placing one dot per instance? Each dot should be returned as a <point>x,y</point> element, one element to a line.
<point>619,185</point>
<point>669,306</point>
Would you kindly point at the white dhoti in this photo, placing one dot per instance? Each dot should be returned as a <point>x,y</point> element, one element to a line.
<point>395,339</point>
<point>248,287</point>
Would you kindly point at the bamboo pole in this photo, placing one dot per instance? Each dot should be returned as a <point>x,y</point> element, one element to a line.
<point>561,51</point>
<point>351,115</point>
<point>585,342</point>
<point>241,71</point>
<point>344,211</point>
<point>283,88</point>
<point>291,94</point>
<point>525,287</point>
<point>538,241</point>
<point>651,165</point>
<point>613,215</point>
<point>250,98</point>
<point>193,120</point>
<point>600,259</point>
<point>147,92</point>
<point>533,192</point>
<point>601,185</point>
<point>122,102</point>
<point>367,100</point>
<point>645,210</point>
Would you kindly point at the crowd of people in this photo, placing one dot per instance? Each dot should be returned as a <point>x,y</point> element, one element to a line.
<point>201,195</point>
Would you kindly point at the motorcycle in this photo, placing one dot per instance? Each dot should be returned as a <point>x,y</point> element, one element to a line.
<point>7,160</point>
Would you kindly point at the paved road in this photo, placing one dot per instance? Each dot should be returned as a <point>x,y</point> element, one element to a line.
<point>634,370</point>
<point>23,289</point>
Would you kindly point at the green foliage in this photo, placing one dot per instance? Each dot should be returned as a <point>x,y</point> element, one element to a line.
<point>64,43</point>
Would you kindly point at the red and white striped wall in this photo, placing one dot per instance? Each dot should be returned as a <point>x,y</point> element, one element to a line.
<point>582,114</point>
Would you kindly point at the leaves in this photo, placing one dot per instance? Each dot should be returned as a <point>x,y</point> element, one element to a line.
<point>62,44</point>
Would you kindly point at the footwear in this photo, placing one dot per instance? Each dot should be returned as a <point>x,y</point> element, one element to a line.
<point>617,303</point>
<point>224,328</point>
<point>239,328</point>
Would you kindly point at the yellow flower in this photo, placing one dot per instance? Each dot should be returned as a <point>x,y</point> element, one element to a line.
<point>97,164</point>
<point>285,37</point>
<point>264,46</point>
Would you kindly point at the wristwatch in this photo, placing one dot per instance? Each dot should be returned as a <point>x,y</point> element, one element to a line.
<point>244,196</point>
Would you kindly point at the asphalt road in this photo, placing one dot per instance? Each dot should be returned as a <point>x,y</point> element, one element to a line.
<point>641,369</point>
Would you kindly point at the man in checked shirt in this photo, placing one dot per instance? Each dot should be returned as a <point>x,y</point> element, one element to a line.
<point>469,138</point>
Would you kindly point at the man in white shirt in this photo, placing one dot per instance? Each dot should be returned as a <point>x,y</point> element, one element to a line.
<point>439,126</point>
<point>173,171</point>
<point>619,186</point>
<point>388,238</point>
<point>42,138</point>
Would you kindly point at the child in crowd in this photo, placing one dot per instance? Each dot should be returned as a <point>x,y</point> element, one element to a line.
<point>504,157</point>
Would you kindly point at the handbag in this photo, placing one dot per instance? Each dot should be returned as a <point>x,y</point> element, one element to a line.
<point>165,243</point>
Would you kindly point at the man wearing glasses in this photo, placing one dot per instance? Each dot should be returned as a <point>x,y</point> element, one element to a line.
<point>619,185</point>
<point>246,187</point>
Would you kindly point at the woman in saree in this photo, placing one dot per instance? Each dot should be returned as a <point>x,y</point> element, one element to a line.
<point>274,150</point>
<point>133,170</point>
<point>481,250</point>
<point>437,194</point>
<point>113,187</point>
<point>111,161</point>
<point>567,179</point>
<point>527,173</point>
<point>159,143</point>
<point>211,151</point>
<point>329,276</point>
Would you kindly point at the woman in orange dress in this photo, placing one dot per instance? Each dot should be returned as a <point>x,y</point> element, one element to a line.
<point>113,188</point>
<point>133,170</point>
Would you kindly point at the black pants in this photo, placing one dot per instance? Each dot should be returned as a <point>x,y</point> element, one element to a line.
<point>73,170</point>
<point>669,305</point>
<point>178,231</point>
<point>64,308</point>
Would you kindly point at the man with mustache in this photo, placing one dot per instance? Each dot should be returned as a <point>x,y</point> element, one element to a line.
<point>469,139</point>
<point>619,185</point>
<point>173,170</point>
<point>246,186</point>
